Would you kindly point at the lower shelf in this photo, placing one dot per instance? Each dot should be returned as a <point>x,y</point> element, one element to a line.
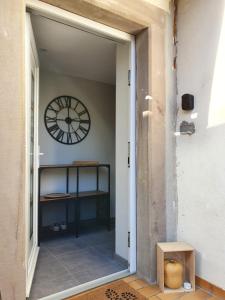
<point>86,194</point>
<point>180,290</point>
<point>86,226</point>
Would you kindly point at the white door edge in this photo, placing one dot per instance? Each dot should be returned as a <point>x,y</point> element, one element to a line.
<point>31,67</point>
<point>31,269</point>
<point>132,173</point>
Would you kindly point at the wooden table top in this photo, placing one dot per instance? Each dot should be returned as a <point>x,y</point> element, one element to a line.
<point>74,196</point>
<point>73,166</point>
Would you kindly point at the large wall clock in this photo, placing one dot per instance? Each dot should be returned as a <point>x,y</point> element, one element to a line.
<point>67,120</point>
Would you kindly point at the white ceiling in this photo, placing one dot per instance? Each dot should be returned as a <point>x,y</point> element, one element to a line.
<point>67,50</point>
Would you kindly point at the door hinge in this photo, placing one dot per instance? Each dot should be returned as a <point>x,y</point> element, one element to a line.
<point>128,77</point>
<point>128,239</point>
<point>128,159</point>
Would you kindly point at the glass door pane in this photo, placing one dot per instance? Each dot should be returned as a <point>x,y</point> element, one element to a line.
<point>32,87</point>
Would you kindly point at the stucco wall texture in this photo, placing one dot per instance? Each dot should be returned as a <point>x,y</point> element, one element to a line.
<point>200,157</point>
<point>12,150</point>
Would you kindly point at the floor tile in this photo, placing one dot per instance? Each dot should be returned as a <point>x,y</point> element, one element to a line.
<point>130,278</point>
<point>149,291</point>
<point>50,287</point>
<point>198,295</point>
<point>152,292</point>
<point>138,284</point>
<point>67,262</point>
<point>173,296</point>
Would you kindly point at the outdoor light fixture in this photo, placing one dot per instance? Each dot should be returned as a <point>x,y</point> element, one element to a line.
<point>187,102</point>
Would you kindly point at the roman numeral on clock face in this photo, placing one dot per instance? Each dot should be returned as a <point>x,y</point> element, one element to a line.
<point>78,138</point>
<point>50,119</point>
<point>84,121</point>
<point>84,130</point>
<point>82,113</point>
<point>68,101</point>
<point>69,138</point>
<point>51,108</point>
<point>59,102</point>
<point>53,129</point>
<point>60,135</point>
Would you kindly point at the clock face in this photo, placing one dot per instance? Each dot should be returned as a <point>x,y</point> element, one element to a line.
<point>67,120</point>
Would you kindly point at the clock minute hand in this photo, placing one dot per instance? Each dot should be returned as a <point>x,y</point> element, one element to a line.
<point>68,111</point>
<point>72,120</point>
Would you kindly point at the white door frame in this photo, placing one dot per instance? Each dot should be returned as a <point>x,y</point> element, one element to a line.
<point>79,22</point>
<point>31,67</point>
<point>132,173</point>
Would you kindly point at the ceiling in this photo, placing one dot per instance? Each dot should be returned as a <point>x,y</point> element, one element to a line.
<point>70,51</point>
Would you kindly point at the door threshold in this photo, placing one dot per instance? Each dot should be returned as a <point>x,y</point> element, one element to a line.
<point>87,286</point>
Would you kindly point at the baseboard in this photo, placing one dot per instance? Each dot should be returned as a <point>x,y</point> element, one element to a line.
<point>215,290</point>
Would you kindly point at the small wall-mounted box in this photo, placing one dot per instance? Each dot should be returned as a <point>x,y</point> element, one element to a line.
<point>187,102</point>
<point>181,252</point>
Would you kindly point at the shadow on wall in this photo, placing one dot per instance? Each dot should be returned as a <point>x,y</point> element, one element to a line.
<point>216,116</point>
<point>200,157</point>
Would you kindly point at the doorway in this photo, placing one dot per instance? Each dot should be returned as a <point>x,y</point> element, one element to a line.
<point>107,93</point>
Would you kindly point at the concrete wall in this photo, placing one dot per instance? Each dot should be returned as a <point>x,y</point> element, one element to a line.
<point>170,115</point>
<point>125,15</point>
<point>200,157</point>
<point>99,144</point>
<point>12,151</point>
<point>163,4</point>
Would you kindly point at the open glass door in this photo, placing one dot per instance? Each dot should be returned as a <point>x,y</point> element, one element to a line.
<point>32,152</point>
<point>125,155</point>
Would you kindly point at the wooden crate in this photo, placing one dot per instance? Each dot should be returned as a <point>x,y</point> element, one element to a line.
<point>181,252</point>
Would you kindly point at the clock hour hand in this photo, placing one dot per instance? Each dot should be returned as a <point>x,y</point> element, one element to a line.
<point>80,120</point>
<point>72,120</point>
<point>60,119</point>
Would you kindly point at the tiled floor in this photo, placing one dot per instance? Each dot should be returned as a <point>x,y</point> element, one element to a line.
<point>67,262</point>
<point>152,292</point>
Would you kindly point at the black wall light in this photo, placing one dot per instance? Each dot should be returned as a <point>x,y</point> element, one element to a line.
<point>187,102</point>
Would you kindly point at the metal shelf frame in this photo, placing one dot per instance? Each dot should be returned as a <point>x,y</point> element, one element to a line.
<point>76,196</point>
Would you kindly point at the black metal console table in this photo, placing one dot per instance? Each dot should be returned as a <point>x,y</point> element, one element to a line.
<point>76,196</point>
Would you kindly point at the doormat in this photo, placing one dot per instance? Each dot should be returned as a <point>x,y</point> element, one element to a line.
<point>118,290</point>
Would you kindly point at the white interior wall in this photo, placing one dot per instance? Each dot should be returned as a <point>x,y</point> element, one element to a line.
<point>122,138</point>
<point>200,157</point>
<point>99,144</point>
